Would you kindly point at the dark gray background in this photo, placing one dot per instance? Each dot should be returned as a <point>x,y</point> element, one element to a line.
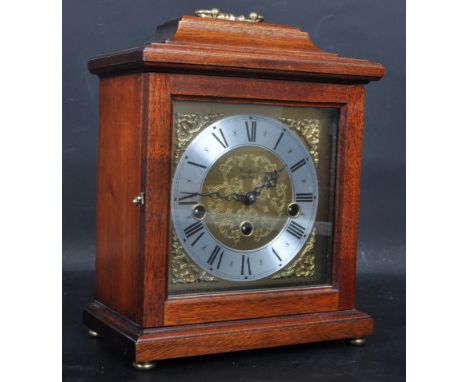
<point>372,29</point>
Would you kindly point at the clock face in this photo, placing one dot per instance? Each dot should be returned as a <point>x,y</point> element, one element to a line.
<point>244,197</point>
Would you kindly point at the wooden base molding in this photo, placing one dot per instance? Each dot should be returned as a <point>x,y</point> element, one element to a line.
<point>192,340</point>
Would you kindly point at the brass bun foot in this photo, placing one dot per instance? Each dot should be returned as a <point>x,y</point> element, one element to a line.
<point>144,366</point>
<point>93,334</point>
<point>358,341</point>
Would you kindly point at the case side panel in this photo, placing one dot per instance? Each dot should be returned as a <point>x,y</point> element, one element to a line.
<point>347,211</point>
<point>119,177</point>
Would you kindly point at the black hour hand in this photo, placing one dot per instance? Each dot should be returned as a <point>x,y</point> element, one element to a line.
<point>188,195</point>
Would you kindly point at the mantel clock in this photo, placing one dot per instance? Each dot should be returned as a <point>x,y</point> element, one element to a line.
<point>228,190</point>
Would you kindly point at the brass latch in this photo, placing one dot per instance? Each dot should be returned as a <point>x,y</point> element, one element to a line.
<point>139,200</point>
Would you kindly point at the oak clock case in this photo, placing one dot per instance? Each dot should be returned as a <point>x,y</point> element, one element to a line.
<point>228,191</point>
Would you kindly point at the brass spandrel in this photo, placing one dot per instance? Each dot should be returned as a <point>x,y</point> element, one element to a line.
<point>303,265</point>
<point>187,126</point>
<point>183,270</point>
<point>309,131</point>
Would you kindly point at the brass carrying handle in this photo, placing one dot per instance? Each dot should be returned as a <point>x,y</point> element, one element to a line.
<point>214,13</point>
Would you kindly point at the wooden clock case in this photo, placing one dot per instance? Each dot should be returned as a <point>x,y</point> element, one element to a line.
<point>224,61</point>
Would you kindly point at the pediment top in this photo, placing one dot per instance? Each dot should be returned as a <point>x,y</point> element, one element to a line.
<point>215,46</point>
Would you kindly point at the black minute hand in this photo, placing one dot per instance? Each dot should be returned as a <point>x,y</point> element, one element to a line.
<point>269,181</point>
<point>215,195</point>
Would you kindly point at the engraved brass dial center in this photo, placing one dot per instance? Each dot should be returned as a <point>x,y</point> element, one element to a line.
<point>241,171</point>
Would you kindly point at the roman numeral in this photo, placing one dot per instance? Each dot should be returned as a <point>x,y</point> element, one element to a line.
<point>304,197</point>
<point>276,254</point>
<point>222,141</point>
<point>278,141</point>
<point>296,230</point>
<point>198,238</point>
<point>298,165</point>
<point>183,199</point>
<point>214,254</point>
<point>192,229</point>
<point>251,130</point>
<point>245,265</point>
<point>196,164</point>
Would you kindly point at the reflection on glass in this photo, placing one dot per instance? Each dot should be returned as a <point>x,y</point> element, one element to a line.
<point>317,128</point>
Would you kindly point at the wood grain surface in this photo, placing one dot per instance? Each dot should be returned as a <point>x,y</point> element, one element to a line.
<point>118,243</point>
<point>192,44</point>
<point>196,59</point>
<point>193,340</point>
<point>134,282</point>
